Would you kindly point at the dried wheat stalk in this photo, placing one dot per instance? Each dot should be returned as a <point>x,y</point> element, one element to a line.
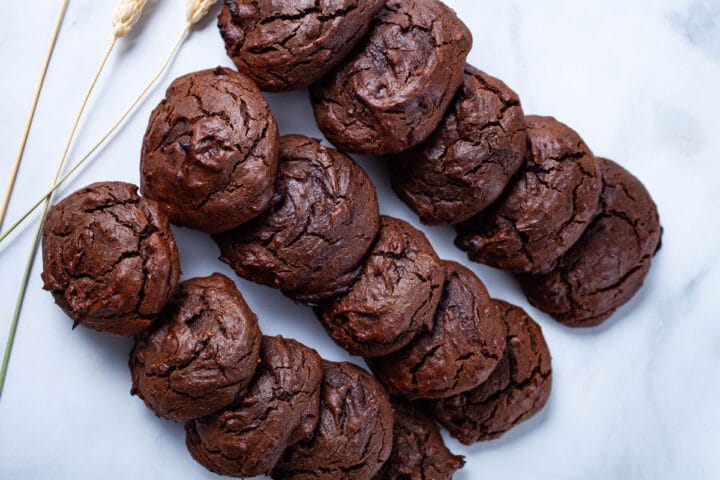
<point>125,15</point>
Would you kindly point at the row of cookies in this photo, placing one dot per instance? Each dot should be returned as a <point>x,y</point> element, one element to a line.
<point>527,193</point>
<point>428,327</point>
<point>251,404</point>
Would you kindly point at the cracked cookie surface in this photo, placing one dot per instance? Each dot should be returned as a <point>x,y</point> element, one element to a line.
<point>392,92</point>
<point>517,389</point>
<point>354,435</point>
<point>546,208</point>
<point>419,452</point>
<point>109,258</point>
<point>210,152</point>
<point>461,351</point>
<point>466,163</point>
<point>394,298</point>
<point>291,44</point>
<point>200,354</point>
<point>608,265</point>
<point>280,408</point>
<point>324,218</point>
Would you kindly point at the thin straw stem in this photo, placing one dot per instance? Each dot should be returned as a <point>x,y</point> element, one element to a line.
<point>36,239</point>
<point>18,307</point>
<point>31,114</point>
<point>80,113</point>
<point>103,139</point>
<point>47,197</point>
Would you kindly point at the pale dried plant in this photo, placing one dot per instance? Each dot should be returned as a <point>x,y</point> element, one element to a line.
<point>31,115</point>
<point>197,9</point>
<point>125,16</point>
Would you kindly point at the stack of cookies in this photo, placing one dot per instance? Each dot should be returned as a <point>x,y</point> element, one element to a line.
<point>388,79</point>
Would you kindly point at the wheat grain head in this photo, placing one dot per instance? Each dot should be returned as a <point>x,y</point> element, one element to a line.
<point>125,15</point>
<point>197,9</point>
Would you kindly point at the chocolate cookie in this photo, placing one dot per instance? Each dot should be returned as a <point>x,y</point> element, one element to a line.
<point>109,258</point>
<point>210,152</point>
<point>393,91</point>
<point>200,354</point>
<point>291,44</point>
<point>394,298</point>
<point>467,162</point>
<point>460,352</point>
<point>419,452</point>
<point>281,408</point>
<point>354,436</point>
<point>323,220</point>
<point>609,263</point>
<point>517,389</point>
<point>545,209</point>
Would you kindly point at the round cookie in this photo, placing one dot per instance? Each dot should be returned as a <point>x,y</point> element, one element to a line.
<point>609,263</point>
<point>354,435</point>
<point>419,452</point>
<point>323,221</point>
<point>280,408</point>
<point>460,352</point>
<point>392,92</point>
<point>210,152</point>
<point>546,208</point>
<point>291,44</point>
<point>200,354</point>
<point>394,298</point>
<point>465,165</point>
<point>517,389</point>
<point>109,258</point>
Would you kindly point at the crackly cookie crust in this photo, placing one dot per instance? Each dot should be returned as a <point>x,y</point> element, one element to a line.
<point>292,44</point>
<point>210,151</point>
<point>354,435</point>
<point>394,297</point>
<point>461,350</point>
<point>312,241</point>
<point>517,389</point>
<point>545,209</point>
<point>200,354</point>
<point>109,258</point>
<point>467,162</point>
<point>608,265</point>
<point>280,409</point>
<point>392,92</point>
<point>419,452</point>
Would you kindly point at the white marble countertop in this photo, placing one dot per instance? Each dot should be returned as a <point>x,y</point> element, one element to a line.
<point>634,399</point>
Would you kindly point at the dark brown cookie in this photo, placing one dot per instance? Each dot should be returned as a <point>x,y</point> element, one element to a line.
<point>281,408</point>
<point>461,351</point>
<point>200,354</point>
<point>546,208</point>
<point>323,220</point>
<point>109,258</point>
<point>394,298</point>
<point>210,152</point>
<point>392,92</point>
<point>517,389</point>
<point>291,44</point>
<point>419,452</point>
<point>354,436</point>
<point>609,263</point>
<point>468,161</point>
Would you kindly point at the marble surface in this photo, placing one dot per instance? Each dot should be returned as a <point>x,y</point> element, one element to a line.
<point>634,399</point>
